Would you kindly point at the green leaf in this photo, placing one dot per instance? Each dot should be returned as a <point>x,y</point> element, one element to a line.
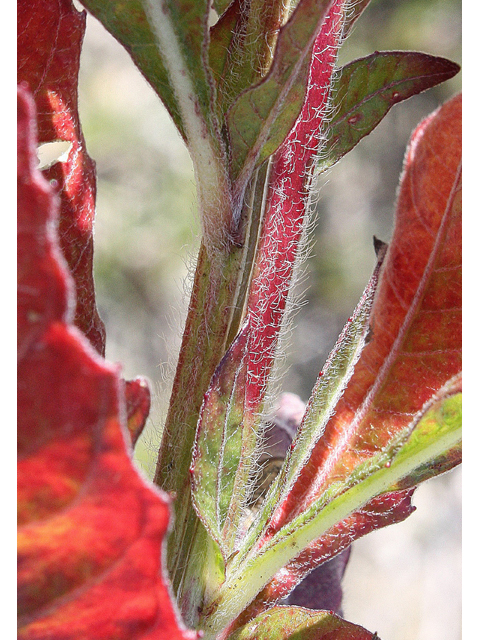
<point>262,117</point>
<point>411,362</point>
<point>404,457</point>
<point>218,443</point>
<point>354,12</point>
<point>225,444</point>
<point>128,24</point>
<point>297,623</point>
<point>221,5</point>
<point>241,49</point>
<point>444,417</point>
<point>365,90</point>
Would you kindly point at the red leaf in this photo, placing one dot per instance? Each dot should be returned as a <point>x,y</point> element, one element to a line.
<point>285,217</point>
<point>416,317</point>
<point>90,529</point>
<point>50,35</point>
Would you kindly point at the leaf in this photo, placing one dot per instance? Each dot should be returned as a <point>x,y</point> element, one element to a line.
<point>354,11</point>
<point>223,431</point>
<point>243,379</point>
<point>296,623</point>
<point>241,49</point>
<point>137,396</point>
<point>387,509</point>
<point>90,529</point>
<point>128,24</point>
<point>49,42</point>
<point>280,244</point>
<point>438,431</point>
<point>221,6</point>
<point>261,118</point>
<point>365,90</point>
<point>416,319</point>
<point>330,385</point>
<point>443,418</point>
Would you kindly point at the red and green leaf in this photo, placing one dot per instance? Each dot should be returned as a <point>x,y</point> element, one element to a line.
<point>416,320</point>
<point>90,529</point>
<point>50,35</point>
<point>244,381</point>
<point>365,90</point>
<point>284,623</point>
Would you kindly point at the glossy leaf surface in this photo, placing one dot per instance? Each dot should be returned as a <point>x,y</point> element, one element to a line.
<point>296,623</point>
<point>49,42</point>
<point>90,529</point>
<point>365,90</point>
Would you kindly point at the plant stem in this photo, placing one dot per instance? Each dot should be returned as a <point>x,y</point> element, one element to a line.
<point>215,314</point>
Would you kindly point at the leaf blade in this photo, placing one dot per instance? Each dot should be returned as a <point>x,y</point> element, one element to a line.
<point>416,328</point>
<point>49,43</point>
<point>283,623</point>
<point>366,89</point>
<point>129,25</point>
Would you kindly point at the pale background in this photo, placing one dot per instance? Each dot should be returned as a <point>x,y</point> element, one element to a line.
<point>403,581</point>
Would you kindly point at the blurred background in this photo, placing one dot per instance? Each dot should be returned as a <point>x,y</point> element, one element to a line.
<point>402,581</point>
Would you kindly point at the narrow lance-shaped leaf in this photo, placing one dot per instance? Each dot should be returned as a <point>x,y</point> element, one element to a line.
<point>364,90</point>
<point>242,44</point>
<point>297,623</point>
<point>438,431</point>
<point>220,436</point>
<point>90,529</point>
<point>329,387</point>
<point>261,118</point>
<point>339,516</point>
<point>49,43</point>
<point>283,228</point>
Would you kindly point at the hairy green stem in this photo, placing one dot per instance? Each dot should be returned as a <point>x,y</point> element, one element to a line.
<point>214,317</point>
